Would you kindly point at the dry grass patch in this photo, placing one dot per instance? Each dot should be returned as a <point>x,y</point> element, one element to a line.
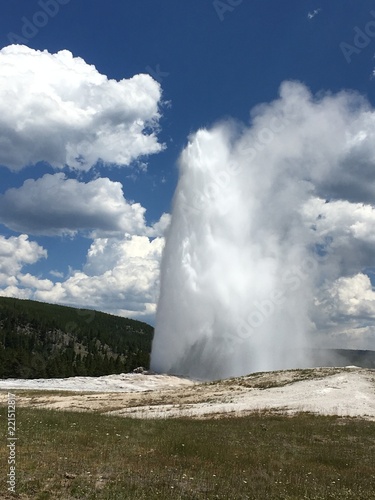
<point>66,455</point>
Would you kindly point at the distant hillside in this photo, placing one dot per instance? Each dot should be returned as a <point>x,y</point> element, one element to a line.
<point>342,357</point>
<point>39,340</point>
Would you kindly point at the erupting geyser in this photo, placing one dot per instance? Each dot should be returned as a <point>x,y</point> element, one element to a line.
<point>241,261</point>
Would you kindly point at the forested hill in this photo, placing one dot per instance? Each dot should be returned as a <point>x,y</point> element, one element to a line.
<point>39,340</point>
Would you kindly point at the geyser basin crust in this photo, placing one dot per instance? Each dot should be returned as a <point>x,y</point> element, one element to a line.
<point>328,391</point>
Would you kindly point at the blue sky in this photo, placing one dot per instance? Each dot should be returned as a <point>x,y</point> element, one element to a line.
<point>210,60</point>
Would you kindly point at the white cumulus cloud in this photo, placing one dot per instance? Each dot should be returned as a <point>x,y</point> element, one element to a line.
<point>345,313</point>
<point>354,296</point>
<point>346,231</point>
<point>55,205</point>
<point>15,252</point>
<point>121,276</point>
<point>59,109</point>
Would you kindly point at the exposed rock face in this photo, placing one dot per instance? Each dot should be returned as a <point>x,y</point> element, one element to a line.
<point>140,369</point>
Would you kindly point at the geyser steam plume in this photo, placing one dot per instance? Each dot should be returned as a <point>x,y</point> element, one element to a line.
<point>241,261</point>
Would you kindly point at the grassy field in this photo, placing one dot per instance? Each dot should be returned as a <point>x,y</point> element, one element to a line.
<point>66,455</point>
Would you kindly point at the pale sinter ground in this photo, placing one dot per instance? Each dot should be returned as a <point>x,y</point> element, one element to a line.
<point>346,391</point>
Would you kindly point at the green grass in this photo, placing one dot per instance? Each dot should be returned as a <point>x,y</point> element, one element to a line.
<point>68,455</point>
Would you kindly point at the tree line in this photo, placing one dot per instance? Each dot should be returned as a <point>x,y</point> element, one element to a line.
<point>39,340</point>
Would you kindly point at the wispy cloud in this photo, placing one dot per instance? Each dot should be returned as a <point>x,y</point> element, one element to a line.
<point>313,13</point>
<point>57,274</point>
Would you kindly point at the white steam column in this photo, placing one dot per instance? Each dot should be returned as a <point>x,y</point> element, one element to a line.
<point>238,271</point>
